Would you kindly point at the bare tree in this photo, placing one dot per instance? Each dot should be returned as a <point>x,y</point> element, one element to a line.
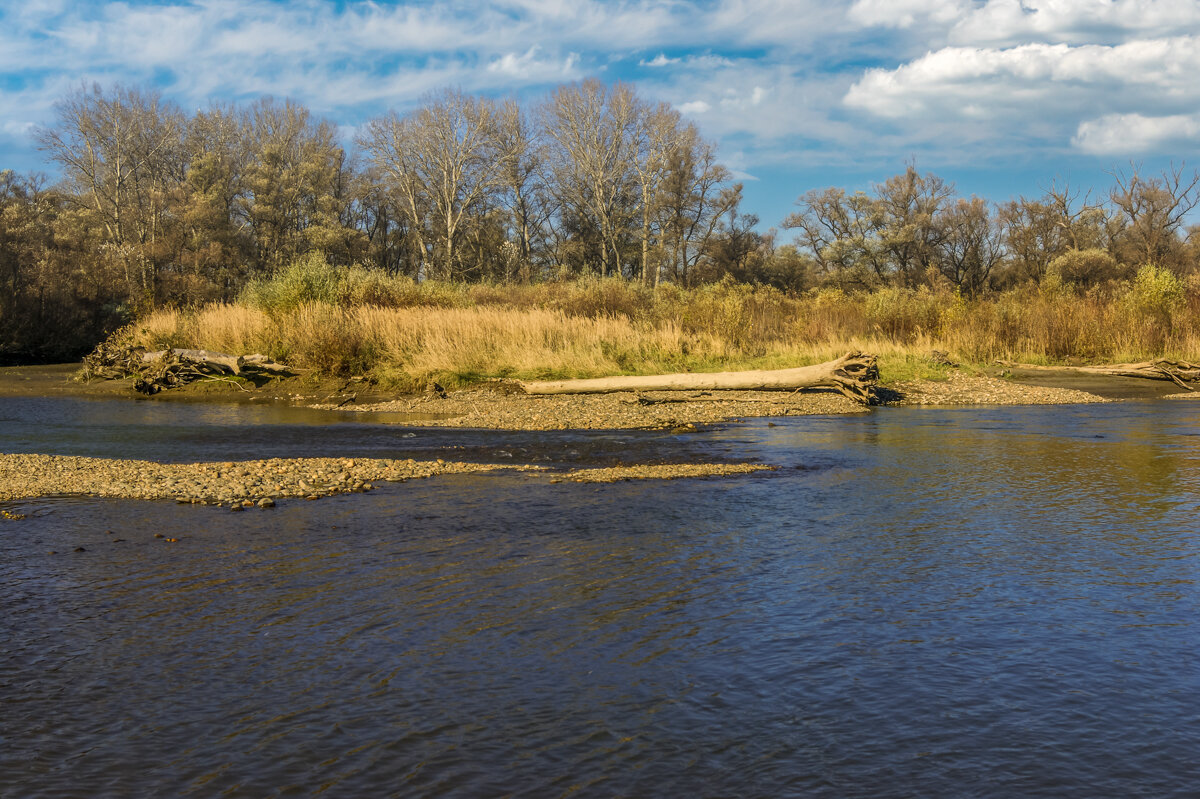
<point>692,199</point>
<point>1154,210</point>
<point>521,160</point>
<point>971,245</point>
<point>656,136</point>
<point>443,165</point>
<point>591,129</point>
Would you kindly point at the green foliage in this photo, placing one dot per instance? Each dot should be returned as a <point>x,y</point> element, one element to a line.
<point>1080,268</point>
<point>1155,292</point>
<point>307,279</point>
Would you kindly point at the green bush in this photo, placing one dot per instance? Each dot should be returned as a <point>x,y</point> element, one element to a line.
<point>1082,268</point>
<point>307,279</point>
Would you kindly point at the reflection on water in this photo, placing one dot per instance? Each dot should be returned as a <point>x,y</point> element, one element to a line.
<point>989,602</point>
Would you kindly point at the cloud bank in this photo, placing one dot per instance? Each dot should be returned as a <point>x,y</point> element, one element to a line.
<point>780,83</point>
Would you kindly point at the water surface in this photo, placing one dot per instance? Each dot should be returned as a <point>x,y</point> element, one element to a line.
<point>983,602</point>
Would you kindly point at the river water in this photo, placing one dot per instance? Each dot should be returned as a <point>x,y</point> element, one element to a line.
<point>939,602</point>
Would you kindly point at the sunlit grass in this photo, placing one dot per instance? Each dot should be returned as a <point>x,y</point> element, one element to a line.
<point>414,333</point>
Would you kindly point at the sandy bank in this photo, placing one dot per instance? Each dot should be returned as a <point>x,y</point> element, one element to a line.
<point>258,483</point>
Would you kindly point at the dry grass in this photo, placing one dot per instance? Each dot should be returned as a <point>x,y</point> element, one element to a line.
<point>459,334</point>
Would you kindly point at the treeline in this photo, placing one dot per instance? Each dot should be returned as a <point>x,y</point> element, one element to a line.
<point>914,230</point>
<point>160,208</point>
<point>157,206</point>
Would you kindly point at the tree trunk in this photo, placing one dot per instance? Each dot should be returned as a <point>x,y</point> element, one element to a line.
<point>1180,372</point>
<point>854,374</point>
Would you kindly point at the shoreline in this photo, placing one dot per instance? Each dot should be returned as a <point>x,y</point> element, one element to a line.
<point>500,405</point>
<point>494,405</point>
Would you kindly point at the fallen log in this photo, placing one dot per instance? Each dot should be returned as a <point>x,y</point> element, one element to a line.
<point>854,374</point>
<point>1182,373</point>
<point>216,361</point>
<point>154,371</point>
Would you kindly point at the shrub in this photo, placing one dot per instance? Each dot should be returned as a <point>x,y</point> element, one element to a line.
<point>1082,268</point>
<point>307,279</point>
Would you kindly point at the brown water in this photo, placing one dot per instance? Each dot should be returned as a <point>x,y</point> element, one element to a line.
<point>985,602</point>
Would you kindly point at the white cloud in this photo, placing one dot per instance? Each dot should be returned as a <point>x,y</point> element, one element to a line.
<point>904,13</point>
<point>695,107</point>
<point>1012,22</point>
<point>1133,134</point>
<point>1034,79</point>
<point>1073,21</point>
<point>531,66</point>
<point>659,60</point>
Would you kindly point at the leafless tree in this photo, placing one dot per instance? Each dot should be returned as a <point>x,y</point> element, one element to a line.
<point>443,164</point>
<point>591,129</point>
<point>1154,210</point>
<point>972,245</point>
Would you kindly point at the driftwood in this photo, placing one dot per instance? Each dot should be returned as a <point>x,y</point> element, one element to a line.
<point>854,374</point>
<point>154,371</point>
<point>1182,373</point>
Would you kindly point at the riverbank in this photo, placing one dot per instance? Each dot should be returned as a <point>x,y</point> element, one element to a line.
<point>495,405</point>
<point>501,405</point>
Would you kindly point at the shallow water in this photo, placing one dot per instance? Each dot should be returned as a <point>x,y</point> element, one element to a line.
<point>983,602</point>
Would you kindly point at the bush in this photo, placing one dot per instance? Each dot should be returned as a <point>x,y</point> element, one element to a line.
<point>308,279</point>
<point>1082,268</point>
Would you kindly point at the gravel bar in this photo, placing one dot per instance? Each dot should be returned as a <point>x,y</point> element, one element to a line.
<point>233,483</point>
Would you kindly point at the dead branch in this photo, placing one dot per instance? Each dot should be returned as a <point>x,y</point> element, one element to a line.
<point>154,371</point>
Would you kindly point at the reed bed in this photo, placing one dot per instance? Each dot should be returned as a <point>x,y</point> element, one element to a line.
<point>409,334</point>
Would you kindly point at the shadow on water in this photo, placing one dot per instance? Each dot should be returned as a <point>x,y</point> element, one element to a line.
<point>986,602</point>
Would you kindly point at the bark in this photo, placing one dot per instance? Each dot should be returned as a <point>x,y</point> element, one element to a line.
<point>216,361</point>
<point>154,371</point>
<point>1182,373</point>
<point>854,374</point>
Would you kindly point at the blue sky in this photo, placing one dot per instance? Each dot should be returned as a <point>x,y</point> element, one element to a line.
<point>999,96</point>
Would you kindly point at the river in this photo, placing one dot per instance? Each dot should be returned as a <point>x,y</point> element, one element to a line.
<point>938,602</point>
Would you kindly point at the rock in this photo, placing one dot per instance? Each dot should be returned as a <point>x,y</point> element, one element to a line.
<point>266,502</point>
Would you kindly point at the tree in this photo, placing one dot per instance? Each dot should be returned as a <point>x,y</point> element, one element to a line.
<point>120,152</point>
<point>442,163</point>
<point>1154,210</point>
<point>692,199</point>
<point>294,188</point>
<point>215,249</point>
<point>521,183</point>
<point>971,245</point>
<point>842,232</point>
<point>907,208</point>
<point>591,129</point>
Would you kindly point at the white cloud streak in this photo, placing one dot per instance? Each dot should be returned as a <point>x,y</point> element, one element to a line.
<point>776,81</point>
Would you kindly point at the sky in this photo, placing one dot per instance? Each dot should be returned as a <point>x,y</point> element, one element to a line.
<point>1000,97</point>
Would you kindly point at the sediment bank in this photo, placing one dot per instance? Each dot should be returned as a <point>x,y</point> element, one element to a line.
<point>259,483</point>
<point>225,482</point>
